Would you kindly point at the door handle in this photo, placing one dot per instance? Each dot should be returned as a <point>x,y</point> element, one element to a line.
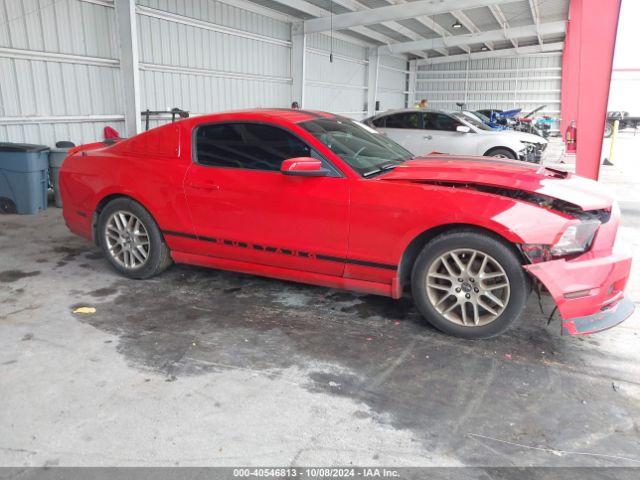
<point>205,186</point>
<point>427,137</point>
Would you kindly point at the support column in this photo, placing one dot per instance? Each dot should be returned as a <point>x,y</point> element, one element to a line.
<point>298,62</point>
<point>129,71</point>
<point>372,80</point>
<point>586,77</point>
<point>413,80</point>
<point>570,67</point>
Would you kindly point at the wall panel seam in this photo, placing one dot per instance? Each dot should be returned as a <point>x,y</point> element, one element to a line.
<point>153,67</point>
<point>57,57</point>
<point>193,22</point>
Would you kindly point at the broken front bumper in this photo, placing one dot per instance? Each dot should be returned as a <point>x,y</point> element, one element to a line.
<point>588,290</point>
<point>611,316</point>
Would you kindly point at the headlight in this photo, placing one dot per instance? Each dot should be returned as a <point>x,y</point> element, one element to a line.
<point>576,238</point>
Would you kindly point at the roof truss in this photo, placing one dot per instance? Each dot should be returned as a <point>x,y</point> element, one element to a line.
<point>491,36</point>
<point>393,12</point>
<point>359,18</point>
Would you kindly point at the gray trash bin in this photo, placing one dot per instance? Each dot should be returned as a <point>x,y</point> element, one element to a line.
<point>24,177</point>
<point>56,158</point>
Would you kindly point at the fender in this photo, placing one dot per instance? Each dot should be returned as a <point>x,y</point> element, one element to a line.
<point>516,221</point>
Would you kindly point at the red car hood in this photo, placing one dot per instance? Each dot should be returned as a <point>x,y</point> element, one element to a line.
<point>515,175</point>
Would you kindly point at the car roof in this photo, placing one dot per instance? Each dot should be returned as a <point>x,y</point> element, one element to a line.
<point>403,110</point>
<point>286,114</point>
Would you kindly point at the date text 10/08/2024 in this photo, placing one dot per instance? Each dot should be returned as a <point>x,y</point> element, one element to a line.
<point>362,472</point>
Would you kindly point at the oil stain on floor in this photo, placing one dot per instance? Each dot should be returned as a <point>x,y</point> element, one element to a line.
<point>9,276</point>
<point>192,321</point>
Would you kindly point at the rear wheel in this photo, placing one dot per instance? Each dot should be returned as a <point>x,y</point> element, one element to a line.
<point>469,284</point>
<point>131,240</point>
<point>501,153</point>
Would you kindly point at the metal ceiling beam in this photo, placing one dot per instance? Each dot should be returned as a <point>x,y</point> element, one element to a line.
<point>535,13</point>
<point>401,29</point>
<point>394,12</point>
<point>505,52</point>
<point>490,36</point>
<point>316,11</point>
<point>469,25</point>
<point>428,22</point>
<point>498,14</point>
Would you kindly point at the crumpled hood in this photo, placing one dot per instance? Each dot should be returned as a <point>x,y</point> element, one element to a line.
<point>511,174</point>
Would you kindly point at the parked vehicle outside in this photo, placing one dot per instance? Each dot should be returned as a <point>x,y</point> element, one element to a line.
<point>426,131</point>
<point>317,198</point>
<point>624,121</point>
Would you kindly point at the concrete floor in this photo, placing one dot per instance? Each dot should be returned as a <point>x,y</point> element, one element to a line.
<point>204,367</point>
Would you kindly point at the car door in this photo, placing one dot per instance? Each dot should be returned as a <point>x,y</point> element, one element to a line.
<point>244,209</point>
<point>406,129</point>
<point>440,131</point>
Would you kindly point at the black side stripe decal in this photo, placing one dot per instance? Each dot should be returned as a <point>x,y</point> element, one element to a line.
<point>181,234</point>
<point>283,251</point>
<point>366,263</point>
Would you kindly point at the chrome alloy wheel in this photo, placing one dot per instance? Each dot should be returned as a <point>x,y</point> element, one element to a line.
<point>127,239</point>
<point>467,287</point>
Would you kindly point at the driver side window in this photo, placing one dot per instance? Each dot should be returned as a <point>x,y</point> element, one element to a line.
<point>410,120</point>
<point>250,146</point>
<point>440,121</point>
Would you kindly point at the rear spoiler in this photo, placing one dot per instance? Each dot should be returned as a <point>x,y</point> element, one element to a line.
<point>93,146</point>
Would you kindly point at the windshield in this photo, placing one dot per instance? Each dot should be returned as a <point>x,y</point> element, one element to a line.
<point>469,120</point>
<point>365,150</point>
<point>481,116</point>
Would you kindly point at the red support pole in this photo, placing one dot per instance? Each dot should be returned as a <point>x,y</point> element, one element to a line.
<point>586,75</point>
<point>570,67</point>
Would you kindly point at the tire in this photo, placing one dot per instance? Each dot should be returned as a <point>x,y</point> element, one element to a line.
<point>608,129</point>
<point>475,322</point>
<point>7,206</point>
<point>501,153</point>
<point>114,240</point>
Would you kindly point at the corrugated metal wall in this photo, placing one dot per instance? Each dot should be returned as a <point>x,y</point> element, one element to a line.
<point>60,77</point>
<point>339,86</point>
<point>525,82</point>
<point>392,82</point>
<point>206,56</point>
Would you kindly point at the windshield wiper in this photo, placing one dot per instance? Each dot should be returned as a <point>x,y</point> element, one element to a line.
<point>381,168</point>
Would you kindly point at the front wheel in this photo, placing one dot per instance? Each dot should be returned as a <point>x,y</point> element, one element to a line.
<point>501,153</point>
<point>608,129</point>
<point>131,239</point>
<point>469,284</point>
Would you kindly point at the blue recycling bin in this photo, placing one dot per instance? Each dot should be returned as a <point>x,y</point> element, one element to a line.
<point>24,178</point>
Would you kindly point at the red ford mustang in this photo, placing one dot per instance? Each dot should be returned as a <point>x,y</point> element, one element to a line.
<point>316,198</point>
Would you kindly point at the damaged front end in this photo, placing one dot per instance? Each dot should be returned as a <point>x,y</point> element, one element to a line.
<point>574,259</point>
<point>581,269</point>
<point>584,272</point>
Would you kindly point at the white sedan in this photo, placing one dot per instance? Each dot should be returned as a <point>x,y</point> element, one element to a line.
<point>426,131</point>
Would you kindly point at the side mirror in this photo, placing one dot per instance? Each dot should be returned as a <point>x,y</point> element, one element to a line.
<point>463,129</point>
<point>303,167</point>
